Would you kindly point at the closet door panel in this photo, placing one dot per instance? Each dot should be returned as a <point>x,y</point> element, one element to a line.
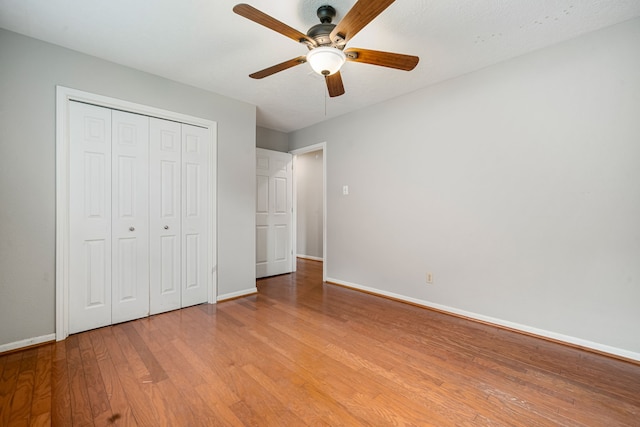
<point>195,214</point>
<point>164,215</point>
<point>89,217</point>
<point>130,216</point>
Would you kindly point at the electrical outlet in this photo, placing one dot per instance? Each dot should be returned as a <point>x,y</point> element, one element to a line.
<point>429,277</point>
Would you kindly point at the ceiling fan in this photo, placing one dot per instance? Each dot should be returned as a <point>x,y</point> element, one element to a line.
<point>326,42</point>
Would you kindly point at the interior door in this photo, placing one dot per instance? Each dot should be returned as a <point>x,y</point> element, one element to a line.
<point>195,214</point>
<point>164,215</point>
<point>274,193</point>
<point>89,217</point>
<point>130,216</point>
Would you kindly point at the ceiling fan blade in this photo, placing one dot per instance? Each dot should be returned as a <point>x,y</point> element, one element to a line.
<point>278,67</point>
<point>357,18</point>
<point>334,84</point>
<point>262,18</point>
<point>384,59</point>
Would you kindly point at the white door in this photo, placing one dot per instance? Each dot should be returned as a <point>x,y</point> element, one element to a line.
<point>165,225</point>
<point>89,217</point>
<point>195,214</point>
<point>179,209</point>
<point>273,213</point>
<point>108,217</point>
<point>130,216</point>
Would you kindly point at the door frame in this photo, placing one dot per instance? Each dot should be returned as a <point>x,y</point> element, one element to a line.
<point>322,146</point>
<point>64,96</point>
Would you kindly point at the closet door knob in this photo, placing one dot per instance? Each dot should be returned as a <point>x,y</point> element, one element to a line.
<point>166,227</point>
<point>132,229</point>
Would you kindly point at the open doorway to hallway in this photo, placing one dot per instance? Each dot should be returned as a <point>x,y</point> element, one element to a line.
<point>309,197</point>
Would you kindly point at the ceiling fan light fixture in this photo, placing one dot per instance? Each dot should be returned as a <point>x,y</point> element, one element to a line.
<point>326,60</point>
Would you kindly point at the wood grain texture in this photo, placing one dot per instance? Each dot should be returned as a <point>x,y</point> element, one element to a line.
<point>268,21</point>
<point>334,84</point>
<point>360,15</point>
<point>301,352</point>
<point>398,61</point>
<point>278,67</point>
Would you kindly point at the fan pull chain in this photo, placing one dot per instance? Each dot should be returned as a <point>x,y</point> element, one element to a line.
<point>325,102</point>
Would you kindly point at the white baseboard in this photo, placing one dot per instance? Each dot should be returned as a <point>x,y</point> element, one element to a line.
<point>601,348</point>
<point>237,294</point>
<point>312,258</point>
<point>26,343</point>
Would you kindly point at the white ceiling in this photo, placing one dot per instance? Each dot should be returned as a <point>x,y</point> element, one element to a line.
<point>204,44</point>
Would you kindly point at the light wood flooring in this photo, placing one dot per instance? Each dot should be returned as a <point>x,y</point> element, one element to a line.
<point>300,353</point>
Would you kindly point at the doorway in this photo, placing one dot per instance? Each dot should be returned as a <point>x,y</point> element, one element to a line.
<point>312,216</point>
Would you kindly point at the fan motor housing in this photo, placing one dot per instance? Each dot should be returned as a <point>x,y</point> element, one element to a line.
<point>320,32</point>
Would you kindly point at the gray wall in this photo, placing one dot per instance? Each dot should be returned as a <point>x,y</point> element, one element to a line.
<point>29,73</point>
<point>517,186</point>
<point>272,140</point>
<point>309,209</point>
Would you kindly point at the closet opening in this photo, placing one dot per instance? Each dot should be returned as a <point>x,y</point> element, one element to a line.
<point>135,211</point>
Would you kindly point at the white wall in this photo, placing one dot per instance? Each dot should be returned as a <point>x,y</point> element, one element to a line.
<point>29,73</point>
<point>309,209</point>
<point>518,186</point>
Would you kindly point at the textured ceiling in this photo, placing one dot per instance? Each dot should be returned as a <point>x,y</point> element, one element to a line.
<point>204,44</point>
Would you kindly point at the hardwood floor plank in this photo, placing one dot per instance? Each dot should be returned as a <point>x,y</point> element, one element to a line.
<point>41,401</point>
<point>60,389</point>
<point>320,380</point>
<point>23,393</point>
<point>121,412</point>
<point>80,404</point>
<point>97,342</point>
<point>317,376</point>
<point>3,362</point>
<point>111,345</point>
<point>41,420</point>
<point>312,414</point>
<point>224,416</point>
<point>131,358</point>
<point>8,383</point>
<point>156,373</point>
<point>166,404</point>
<point>142,407</point>
<point>183,379</point>
<point>100,407</point>
<point>204,364</point>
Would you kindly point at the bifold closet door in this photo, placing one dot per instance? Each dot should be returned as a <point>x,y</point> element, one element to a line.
<point>130,216</point>
<point>179,209</point>
<point>108,213</point>
<point>89,217</point>
<point>195,214</point>
<point>165,215</point>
